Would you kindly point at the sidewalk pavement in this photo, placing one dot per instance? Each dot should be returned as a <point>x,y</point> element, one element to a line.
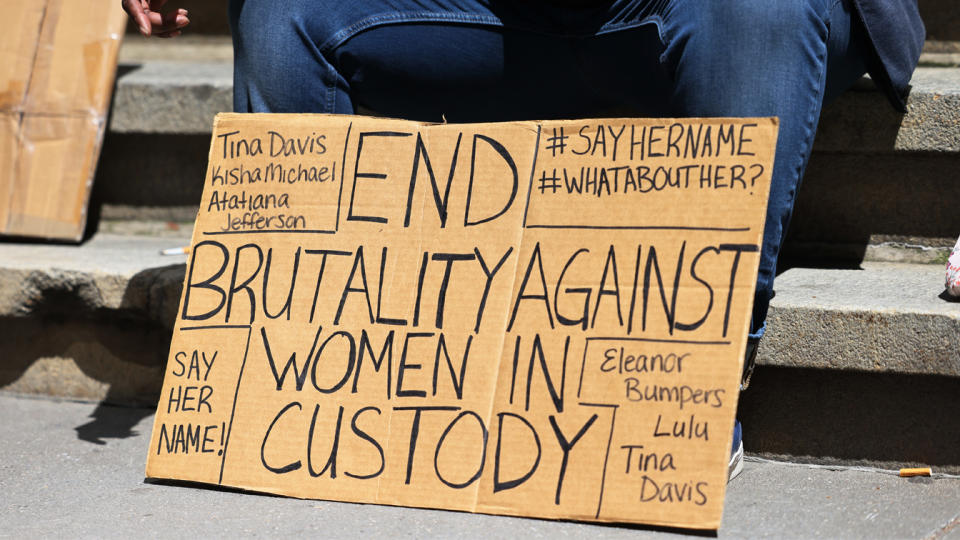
<point>76,470</point>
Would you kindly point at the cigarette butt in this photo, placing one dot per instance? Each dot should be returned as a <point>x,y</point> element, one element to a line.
<point>175,251</point>
<point>917,471</point>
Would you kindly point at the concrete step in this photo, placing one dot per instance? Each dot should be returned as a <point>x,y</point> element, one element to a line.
<point>849,351</point>
<point>88,322</point>
<point>858,366</point>
<point>942,19</point>
<point>877,318</point>
<point>155,150</point>
<point>861,120</point>
<point>878,183</point>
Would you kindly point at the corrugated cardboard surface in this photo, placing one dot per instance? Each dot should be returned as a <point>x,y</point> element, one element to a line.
<point>57,66</point>
<point>536,318</point>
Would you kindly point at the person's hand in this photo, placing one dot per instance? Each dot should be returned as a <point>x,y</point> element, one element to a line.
<point>153,23</point>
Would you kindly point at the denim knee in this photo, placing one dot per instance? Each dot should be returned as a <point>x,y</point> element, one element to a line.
<point>278,64</point>
<point>773,22</point>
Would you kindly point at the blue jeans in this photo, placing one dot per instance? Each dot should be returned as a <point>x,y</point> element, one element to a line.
<point>498,60</point>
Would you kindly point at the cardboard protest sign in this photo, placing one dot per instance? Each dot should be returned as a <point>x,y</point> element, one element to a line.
<point>57,65</point>
<point>535,318</point>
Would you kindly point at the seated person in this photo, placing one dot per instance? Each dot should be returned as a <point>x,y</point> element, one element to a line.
<point>499,60</point>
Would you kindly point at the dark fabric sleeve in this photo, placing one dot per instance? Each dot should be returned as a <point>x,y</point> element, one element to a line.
<point>896,33</point>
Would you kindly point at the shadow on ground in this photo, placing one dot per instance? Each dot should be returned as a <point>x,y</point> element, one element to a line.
<point>111,422</point>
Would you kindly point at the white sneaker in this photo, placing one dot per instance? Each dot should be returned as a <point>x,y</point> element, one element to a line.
<point>735,466</point>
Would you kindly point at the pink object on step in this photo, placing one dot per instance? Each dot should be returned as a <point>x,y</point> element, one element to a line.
<point>953,271</point>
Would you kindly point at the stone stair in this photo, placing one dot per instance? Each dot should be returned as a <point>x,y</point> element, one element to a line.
<point>861,363</point>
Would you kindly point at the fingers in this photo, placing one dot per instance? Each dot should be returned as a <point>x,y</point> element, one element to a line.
<point>135,10</point>
<point>153,23</point>
<point>165,24</point>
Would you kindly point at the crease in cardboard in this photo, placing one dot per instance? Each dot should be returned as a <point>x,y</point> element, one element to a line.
<point>40,69</point>
<point>381,493</point>
<point>519,243</point>
<point>28,47</point>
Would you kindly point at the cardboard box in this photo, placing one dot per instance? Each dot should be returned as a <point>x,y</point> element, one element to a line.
<point>57,67</point>
<point>535,318</point>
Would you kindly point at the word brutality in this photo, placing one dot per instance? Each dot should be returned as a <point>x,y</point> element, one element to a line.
<point>236,286</point>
